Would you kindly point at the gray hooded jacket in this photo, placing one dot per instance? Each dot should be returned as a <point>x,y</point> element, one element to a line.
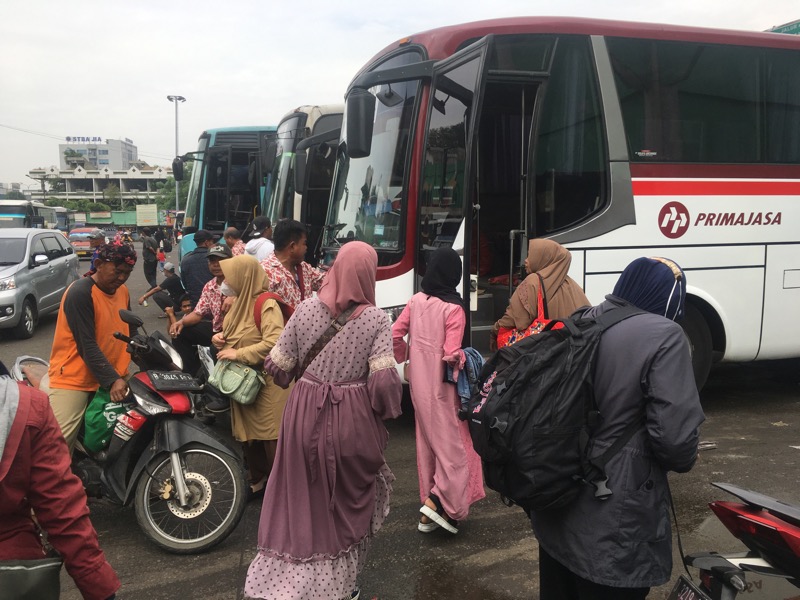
<point>643,367</point>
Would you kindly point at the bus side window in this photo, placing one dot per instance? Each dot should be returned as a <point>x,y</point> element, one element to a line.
<point>570,150</point>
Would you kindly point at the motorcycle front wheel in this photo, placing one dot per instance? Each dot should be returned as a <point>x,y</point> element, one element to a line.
<point>217,497</point>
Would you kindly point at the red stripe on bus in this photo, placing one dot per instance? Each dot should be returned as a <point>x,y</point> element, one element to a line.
<point>713,171</point>
<point>715,188</point>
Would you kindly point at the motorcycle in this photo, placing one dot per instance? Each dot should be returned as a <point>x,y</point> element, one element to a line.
<point>769,528</point>
<point>212,402</point>
<point>186,483</point>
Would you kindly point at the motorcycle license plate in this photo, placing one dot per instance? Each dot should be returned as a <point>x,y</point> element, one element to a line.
<point>174,381</point>
<point>686,590</point>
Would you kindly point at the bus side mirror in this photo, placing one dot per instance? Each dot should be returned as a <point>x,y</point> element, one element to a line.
<point>177,168</point>
<point>300,172</point>
<point>37,221</point>
<point>359,122</point>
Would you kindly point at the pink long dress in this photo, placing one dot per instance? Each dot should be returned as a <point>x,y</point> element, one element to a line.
<point>447,464</point>
<point>329,490</point>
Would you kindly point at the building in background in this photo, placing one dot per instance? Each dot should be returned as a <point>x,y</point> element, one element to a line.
<point>792,28</point>
<point>133,185</point>
<point>94,153</point>
<point>5,188</point>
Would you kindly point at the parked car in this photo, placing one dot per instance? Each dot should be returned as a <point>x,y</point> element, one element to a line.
<point>79,238</point>
<point>36,267</point>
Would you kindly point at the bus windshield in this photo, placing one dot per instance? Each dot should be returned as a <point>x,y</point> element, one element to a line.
<point>13,216</point>
<point>280,201</point>
<point>193,198</point>
<point>368,199</point>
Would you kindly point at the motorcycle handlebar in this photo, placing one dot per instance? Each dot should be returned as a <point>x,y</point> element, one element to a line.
<point>128,340</point>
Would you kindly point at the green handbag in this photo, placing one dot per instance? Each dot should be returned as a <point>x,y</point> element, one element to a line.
<point>240,382</point>
<point>37,579</point>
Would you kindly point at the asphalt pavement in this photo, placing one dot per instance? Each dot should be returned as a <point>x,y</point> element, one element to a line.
<point>753,425</point>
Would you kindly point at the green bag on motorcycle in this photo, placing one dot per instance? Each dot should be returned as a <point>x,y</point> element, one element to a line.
<point>99,420</point>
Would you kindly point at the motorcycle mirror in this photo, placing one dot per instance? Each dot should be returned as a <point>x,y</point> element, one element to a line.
<point>130,318</point>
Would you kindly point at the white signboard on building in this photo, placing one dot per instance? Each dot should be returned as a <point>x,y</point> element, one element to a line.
<point>147,215</point>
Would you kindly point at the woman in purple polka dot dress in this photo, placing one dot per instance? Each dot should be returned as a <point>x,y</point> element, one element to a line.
<point>329,491</point>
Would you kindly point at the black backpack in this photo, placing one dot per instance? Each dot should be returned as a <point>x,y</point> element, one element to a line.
<point>533,412</point>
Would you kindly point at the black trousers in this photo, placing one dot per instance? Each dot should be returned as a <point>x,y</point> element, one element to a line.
<point>150,272</point>
<point>556,582</point>
<point>163,300</point>
<point>194,335</point>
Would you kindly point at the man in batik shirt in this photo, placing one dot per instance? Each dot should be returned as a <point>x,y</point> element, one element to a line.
<point>289,275</point>
<point>233,237</point>
<point>198,327</point>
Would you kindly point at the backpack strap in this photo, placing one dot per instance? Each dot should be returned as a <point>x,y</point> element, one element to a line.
<point>286,310</point>
<point>600,484</point>
<point>618,313</point>
<point>608,319</point>
<point>541,301</point>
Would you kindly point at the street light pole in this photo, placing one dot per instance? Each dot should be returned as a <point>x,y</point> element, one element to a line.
<point>176,100</point>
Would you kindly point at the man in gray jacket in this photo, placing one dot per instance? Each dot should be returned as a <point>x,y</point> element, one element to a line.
<point>622,546</point>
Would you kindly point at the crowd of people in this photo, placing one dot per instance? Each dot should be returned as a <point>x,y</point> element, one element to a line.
<point>314,440</point>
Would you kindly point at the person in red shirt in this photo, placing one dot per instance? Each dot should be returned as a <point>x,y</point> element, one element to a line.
<point>35,476</point>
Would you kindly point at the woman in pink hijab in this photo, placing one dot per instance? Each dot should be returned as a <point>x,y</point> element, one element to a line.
<point>329,491</point>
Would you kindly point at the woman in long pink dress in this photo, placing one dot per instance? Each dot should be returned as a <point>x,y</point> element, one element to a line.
<point>450,476</point>
<point>329,490</point>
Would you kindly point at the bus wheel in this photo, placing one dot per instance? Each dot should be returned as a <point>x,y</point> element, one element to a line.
<point>700,343</point>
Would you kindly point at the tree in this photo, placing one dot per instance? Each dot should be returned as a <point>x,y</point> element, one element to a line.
<point>56,184</point>
<point>52,202</point>
<point>165,196</point>
<point>111,196</point>
<point>15,195</point>
<point>84,205</point>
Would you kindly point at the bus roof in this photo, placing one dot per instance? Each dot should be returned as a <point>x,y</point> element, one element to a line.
<point>20,202</point>
<point>444,41</point>
<point>315,110</point>
<point>217,130</point>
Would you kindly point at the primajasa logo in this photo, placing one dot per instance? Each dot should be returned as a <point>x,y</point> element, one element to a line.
<point>674,219</point>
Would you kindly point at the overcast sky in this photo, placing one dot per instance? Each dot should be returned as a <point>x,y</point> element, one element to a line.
<point>105,68</point>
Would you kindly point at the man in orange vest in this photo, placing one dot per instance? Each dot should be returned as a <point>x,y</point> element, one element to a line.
<point>85,355</point>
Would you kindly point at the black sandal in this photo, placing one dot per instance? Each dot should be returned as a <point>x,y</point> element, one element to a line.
<point>439,516</point>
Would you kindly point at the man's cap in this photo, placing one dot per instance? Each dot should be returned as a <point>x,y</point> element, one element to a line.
<point>220,251</point>
<point>168,266</point>
<point>97,234</point>
<point>201,235</point>
<point>258,226</point>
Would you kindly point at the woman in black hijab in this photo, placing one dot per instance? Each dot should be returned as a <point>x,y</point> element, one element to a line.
<point>450,477</point>
<point>443,275</point>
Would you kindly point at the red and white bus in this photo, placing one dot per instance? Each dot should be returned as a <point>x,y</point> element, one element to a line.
<point>616,139</point>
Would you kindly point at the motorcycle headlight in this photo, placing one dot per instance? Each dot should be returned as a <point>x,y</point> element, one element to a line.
<point>173,354</point>
<point>9,283</point>
<point>151,405</point>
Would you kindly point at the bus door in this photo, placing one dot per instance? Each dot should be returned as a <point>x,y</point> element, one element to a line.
<point>445,205</point>
<point>216,162</point>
